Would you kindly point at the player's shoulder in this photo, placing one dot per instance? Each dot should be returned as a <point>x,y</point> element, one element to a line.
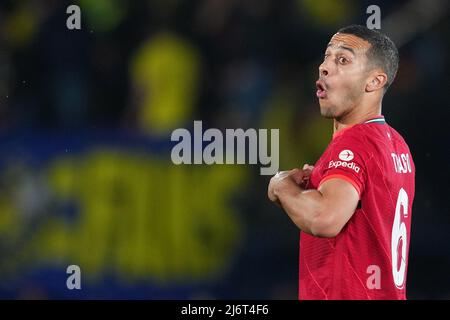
<point>372,135</point>
<point>367,137</point>
<point>396,135</point>
<point>376,137</point>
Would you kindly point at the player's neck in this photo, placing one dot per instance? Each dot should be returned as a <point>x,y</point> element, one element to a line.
<point>352,119</point>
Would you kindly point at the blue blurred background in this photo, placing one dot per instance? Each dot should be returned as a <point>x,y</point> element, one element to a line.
<point>85,123</point>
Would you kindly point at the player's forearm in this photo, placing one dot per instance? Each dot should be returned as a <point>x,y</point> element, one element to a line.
<point>306,208</point>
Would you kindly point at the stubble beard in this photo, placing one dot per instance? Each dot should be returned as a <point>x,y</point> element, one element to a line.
<point>335,112</point>
<point>329,112</point>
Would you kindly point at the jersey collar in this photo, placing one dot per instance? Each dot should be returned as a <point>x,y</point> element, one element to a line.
<point>378,119</point>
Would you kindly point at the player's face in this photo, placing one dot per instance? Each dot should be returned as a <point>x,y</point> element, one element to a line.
<point>342,75</point>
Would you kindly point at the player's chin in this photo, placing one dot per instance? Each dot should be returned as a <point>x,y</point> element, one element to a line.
<point>326,110</point>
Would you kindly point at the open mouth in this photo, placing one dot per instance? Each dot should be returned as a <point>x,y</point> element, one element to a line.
<point>321,92</point>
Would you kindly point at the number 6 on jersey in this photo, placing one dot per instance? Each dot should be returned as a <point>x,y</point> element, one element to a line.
<point>399,242</point>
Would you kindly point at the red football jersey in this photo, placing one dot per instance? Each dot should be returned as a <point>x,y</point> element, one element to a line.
<point>368,259</point>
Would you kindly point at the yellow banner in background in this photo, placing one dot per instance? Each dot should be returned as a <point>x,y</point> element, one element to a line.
<point>135,215</point>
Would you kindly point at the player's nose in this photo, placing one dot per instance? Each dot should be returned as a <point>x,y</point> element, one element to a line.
<point>323,70</point>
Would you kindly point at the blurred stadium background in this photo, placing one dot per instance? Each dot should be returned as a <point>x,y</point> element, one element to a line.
<point>85,123</point>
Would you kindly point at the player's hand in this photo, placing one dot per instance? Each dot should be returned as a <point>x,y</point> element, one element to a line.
<point>283,178</point>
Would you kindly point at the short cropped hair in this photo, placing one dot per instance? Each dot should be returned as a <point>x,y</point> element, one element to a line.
<point>383,53</point>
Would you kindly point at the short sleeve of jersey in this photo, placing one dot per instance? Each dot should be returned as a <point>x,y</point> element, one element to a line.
<point>346,159</point>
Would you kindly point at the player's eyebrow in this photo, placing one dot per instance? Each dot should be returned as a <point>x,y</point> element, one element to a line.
<point>342,47</point>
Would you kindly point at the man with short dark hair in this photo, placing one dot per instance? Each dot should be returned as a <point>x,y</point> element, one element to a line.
<point>354,206</point>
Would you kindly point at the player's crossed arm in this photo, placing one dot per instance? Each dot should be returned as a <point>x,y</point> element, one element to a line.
<point>322,212</point>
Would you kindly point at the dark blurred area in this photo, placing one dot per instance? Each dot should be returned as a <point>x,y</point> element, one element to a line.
<point>85,123</point>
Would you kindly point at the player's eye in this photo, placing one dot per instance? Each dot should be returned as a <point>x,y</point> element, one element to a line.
<point>326,56</point>
<point>343,60</point>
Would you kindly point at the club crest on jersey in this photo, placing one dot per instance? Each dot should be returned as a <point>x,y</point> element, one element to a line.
<point>345,156</point>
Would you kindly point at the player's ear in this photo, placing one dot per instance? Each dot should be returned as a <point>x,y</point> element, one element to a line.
<point>376,81</point>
